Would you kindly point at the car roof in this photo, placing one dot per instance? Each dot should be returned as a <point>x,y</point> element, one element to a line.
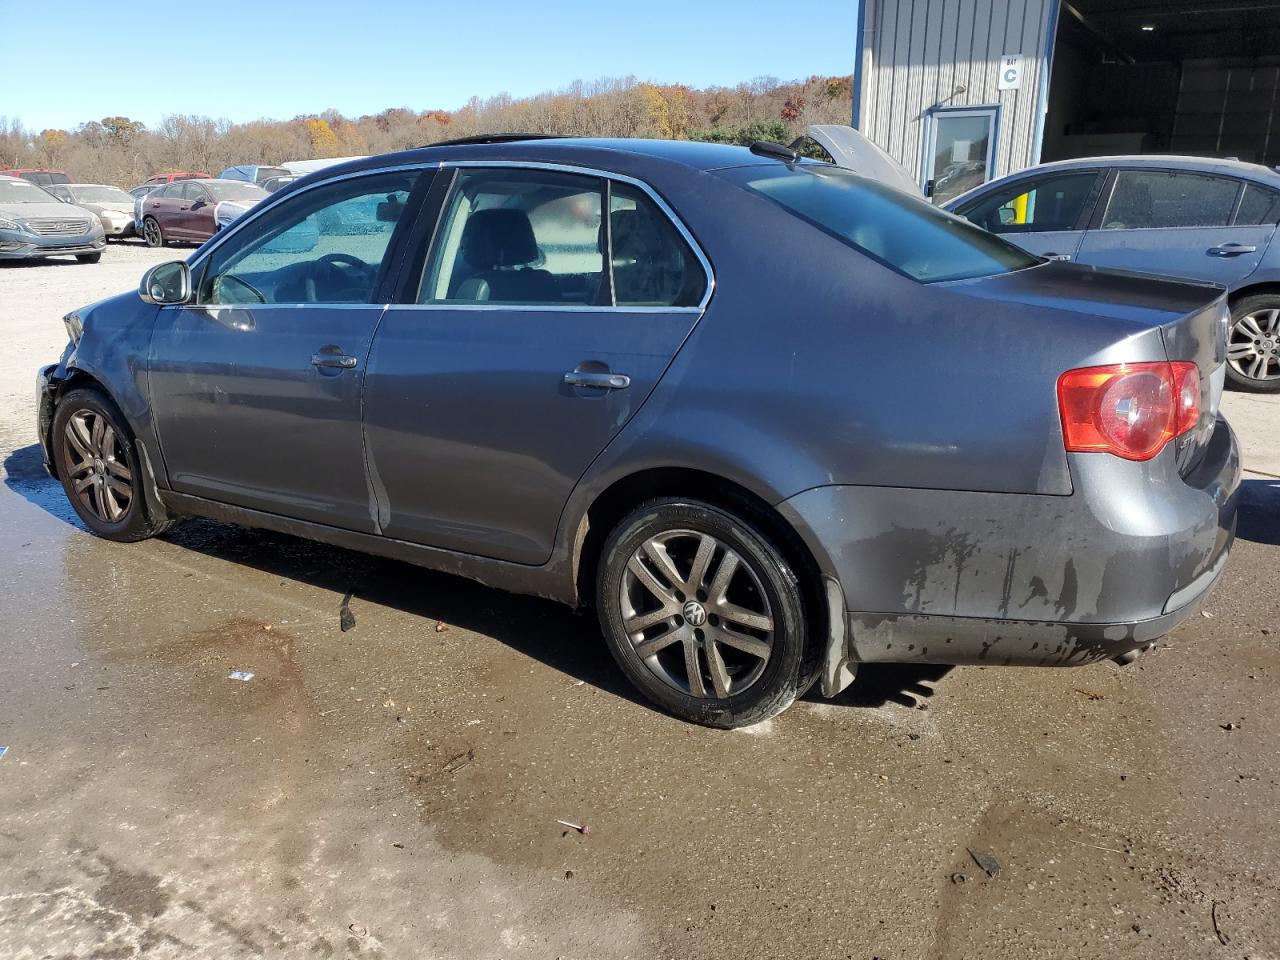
<point>1209,165</point>
<point>692,154</point>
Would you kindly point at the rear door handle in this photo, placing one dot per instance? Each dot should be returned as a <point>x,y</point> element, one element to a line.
<point>333,360</point>
<point>1057,256</point>
<point>604,381</point>
<point>1231,249</point>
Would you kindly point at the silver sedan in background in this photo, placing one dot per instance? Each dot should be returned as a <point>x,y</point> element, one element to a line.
<point>113,207</point>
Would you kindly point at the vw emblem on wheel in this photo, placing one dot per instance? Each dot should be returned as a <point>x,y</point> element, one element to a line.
<point>695,613</point>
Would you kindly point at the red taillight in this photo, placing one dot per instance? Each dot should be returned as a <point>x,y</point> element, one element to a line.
<point>1130,410</point>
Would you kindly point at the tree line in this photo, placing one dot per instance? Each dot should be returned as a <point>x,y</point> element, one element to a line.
<point>122,151</point>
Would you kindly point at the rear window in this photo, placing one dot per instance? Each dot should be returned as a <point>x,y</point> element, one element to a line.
<point>910,236</point>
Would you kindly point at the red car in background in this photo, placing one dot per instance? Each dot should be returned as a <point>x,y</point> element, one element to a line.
<point>163,178</point>
<point>184,210</point>
<point>40,176</point>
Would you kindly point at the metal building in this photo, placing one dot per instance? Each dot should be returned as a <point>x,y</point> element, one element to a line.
<point>962,91</point>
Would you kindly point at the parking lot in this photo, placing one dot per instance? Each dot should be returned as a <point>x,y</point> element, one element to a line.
<point>394,790</point>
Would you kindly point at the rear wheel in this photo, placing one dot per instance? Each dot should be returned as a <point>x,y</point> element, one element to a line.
<point>152,233</point>
<point>1253,343</point>
<point>99,467</point>
<point>703,613</point>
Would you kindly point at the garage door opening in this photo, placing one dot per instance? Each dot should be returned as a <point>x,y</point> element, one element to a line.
<point>1198,77</point>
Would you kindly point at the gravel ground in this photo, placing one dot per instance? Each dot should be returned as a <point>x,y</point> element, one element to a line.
<point>393,791</point>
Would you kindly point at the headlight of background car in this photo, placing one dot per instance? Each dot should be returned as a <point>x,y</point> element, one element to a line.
<point>9,224</point>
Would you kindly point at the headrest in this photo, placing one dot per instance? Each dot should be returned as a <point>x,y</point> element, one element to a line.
<point>499,237</point>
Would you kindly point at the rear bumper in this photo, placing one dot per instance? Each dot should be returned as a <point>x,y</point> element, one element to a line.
<point>958,577</point>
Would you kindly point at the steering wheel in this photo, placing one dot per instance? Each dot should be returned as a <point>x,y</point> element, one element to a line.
<point>345,271</point>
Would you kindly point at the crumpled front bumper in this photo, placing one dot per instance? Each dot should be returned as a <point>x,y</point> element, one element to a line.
<point>44,414</point>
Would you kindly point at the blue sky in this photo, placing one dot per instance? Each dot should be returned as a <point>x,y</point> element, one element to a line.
<point>244,60</point>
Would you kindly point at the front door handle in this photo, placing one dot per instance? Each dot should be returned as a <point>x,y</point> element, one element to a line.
<point>333,360</point>
<point>1231,249</point>
<point>1057,256</point>
<point>604,381</point>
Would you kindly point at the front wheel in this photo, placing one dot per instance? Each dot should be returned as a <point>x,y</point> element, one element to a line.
<point>99,467</point>
<point>1253,344</point>
<point>89,257</point>
<point>152,233</point>
<point>703,613</point>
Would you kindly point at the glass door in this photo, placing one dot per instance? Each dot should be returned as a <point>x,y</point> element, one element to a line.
<point>960,150</point>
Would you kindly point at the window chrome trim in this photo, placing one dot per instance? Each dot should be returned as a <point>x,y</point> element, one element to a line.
<point>265,206</point>
<point>707,272</point>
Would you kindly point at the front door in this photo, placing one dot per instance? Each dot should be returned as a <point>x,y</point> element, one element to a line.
<point>959,151</point>
<point>1045,215</point>
<point>256,386</point>
<point>1178,224</point>
<point>539,330</point>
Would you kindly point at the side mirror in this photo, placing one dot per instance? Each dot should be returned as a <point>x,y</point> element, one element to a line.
<point>166,283</point>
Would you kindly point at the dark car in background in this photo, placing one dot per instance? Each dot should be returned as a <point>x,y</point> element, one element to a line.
<point>113,207</point>
<point>1189,217</point>
<point>34,223</point>
<point>186,210</point>
<point>40,176</point>
<point>744,403</point>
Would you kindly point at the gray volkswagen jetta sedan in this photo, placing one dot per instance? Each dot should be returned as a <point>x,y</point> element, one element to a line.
<point>773,419</point>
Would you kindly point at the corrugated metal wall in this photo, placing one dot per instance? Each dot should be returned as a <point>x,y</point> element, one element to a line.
<point>916,52</point>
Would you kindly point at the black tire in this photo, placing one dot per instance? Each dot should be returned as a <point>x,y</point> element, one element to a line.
<point>135,521</point>
<point>769,579</point>
<point>89,257</point>
<point>1258,369</point>
<point>152,233</point>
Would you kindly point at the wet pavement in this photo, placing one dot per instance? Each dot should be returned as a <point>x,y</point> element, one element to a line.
<point>393,791</point>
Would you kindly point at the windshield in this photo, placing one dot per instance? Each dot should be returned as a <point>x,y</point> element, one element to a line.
<point>266,173</point>
<point>96,194</point>
<point>20,191</point>
<point>911,236</point>
<point>236,191</point>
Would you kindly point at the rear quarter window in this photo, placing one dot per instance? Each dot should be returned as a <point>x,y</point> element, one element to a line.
<point>910,236</point>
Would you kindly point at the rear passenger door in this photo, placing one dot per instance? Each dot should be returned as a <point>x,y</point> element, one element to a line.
<point>1176,223</point>
<point>549,306</point>
<point>1045,215</point>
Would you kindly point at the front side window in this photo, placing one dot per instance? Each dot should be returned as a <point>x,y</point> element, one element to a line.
<point>1045,204</point>
<point>1259,206</point>
<point>1144,199</point>
<point>191,191</point>
<point>325,245</point>
<point>907,235</point>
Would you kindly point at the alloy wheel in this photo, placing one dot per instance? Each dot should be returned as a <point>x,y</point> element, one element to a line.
<point>97,468</point>
<point>697,614</point>
<point>151,233</point>
<point>1253,345</point>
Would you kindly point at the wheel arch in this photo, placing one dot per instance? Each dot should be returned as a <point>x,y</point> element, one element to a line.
<point>74,379</point>
<point>626,493</point>
<point>1263,287</point>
